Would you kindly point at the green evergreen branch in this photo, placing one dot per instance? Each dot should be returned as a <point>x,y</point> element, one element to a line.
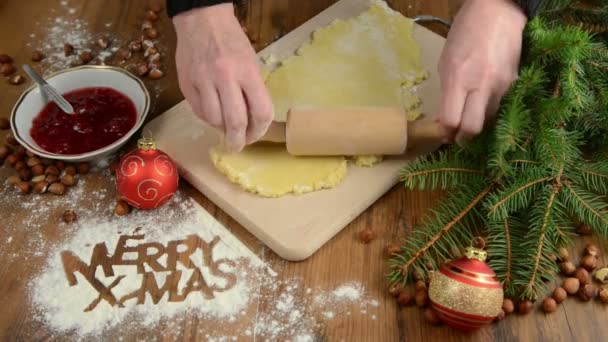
<point>595,175</point>
<point>439,171</point>
<point>587,207</point>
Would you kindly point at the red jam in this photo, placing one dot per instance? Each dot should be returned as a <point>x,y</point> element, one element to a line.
<point>103,115</point>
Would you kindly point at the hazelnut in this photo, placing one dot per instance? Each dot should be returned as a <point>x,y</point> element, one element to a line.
<point>549,305</point>
<point>393,249</point>
<point>76,62</point>
<point>4,151</point>
<point>38,178</point>
<point>586,292</point>
<point>25,174</point>
<point>103,43</point>
<point>68,49</point>
<point>155,74</point>
<point>10,139</point>
<point>135,45</point>
<point>12,159</point>
<point>603,295</point>
<point>151,15</point>
<point>367,235</point>
<point>20,165</point>
<point>571,285</point>
<point>151,33</point>
<point>421,298</point>
<point>591,249</point>
<point>507,306</point>
<point>16,80</point>
<point>38,169</point>
<point>141,69</point>
<point>7,69</point>
<point>51,170</point>
<point>33,161</point>
<point>395,290</point>
<point>83,168</point>
<point>563,253</point>
<point>68,180</point>
<point>431,316</point>
<point>420,285</point>
<point>29,154</point>
<point>404,298</point>
<point>584,229</point>
<point>60,164</point>
<point>70,170</point>
<point>124,53</point>
<point>416,275</point>
<point>567,268</point>
<point>41,187</point>
<point>146,24</point>
<point>156,7</point>
<point>86,56</point>
<point>37,56</point>
<point>559,294</point>
<point>501,315</point>
<point>122,208</point>
<point>69,216</point>
<point>553,257</point>
<point>52,179</point>
<point>20,151</point>
<point>57,188</point>
<point>151,51</point>
<point>5,58</point>
<point>24,187</point>
<point>13,180</point>
<point>589,262</point>
<point>601,275</point>
<point>583,276</point>
<point>525,307</point>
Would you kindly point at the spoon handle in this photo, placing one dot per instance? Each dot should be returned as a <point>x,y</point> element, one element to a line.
<point>49,90</point>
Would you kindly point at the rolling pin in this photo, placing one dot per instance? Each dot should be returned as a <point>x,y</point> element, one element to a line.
<point>350,132</point>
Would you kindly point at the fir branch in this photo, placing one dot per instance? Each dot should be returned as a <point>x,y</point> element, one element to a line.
<point>502,235</point>
<point>594,175</point>
<point>440,170</point>
<point>587,207</point>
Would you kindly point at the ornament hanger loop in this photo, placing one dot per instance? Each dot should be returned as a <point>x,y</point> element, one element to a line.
<point>479,242</point>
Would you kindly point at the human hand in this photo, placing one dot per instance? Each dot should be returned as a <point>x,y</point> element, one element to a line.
<point>478,65</point>
<point>219,75</point>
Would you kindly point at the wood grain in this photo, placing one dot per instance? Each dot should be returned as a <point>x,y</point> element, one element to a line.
<point>342,259</point>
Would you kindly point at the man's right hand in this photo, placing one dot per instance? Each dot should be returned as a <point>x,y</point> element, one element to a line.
<point>219,75</point>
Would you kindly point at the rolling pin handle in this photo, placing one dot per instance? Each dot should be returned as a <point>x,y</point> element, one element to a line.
<point>420,132</point>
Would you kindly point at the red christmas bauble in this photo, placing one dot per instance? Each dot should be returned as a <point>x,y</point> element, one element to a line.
<point>146,177</point>
<point>466,292</point>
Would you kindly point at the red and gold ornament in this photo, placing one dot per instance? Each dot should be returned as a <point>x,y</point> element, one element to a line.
<point>146,177</point>
<point>466,292</point>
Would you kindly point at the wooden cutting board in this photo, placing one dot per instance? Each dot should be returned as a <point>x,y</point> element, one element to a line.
<point>292,226</point>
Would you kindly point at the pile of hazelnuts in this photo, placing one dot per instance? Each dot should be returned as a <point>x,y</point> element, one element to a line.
<point>8,70</point>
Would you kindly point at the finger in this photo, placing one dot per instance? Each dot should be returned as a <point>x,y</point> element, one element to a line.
<point>234,113</point>
<point>450,108</point>
<point>473,115</point>
<point>259,106</point>
<point>493,107</point>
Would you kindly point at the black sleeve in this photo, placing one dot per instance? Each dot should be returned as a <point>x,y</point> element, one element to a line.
<point>175,7</point>
<point>530,7</point>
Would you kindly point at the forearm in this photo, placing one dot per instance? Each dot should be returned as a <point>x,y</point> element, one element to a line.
<point>175,7</point>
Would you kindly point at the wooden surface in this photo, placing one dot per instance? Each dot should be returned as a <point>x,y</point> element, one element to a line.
<point>342,259</point>
<point>294,227</point>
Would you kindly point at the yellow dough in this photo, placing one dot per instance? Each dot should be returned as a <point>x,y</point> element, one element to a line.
<point>269,171</point>
<point>369,60</point>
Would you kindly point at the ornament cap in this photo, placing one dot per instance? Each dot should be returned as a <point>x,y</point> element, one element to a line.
<point>146,144</point>
<point>476,253</point>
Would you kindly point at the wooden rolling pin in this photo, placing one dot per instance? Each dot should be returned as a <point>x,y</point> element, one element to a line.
<point>350,132</point>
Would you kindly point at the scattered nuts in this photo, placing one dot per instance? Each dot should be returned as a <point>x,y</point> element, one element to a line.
<point>70,170</point>
<point>146,24</point>
<point>38,169</point>
<point>431,316</point>
<point>60,165</point>
<point>549,305</point>
<point>416,275</point>
<point>151,15</point>
<point>156,7</point>
<point>25,174</point>
<point>507,306</point>
<point>5,58</point>
<point>591,249</point>
<point>13,180</point>
<point>52,179</point>
<point>392,249</point>
<point>124,53</point>
<point>603,295</point>
<point>421,298</point>
<point>395,290</point>
<point>16,79</point>
<point>10,139</point>
<point>33,161</point>
<point>20,165</point>
<point>41,187</point>
<point>584,229</point>
<point>559,294</point>
<point>586,292</point>
<point>420,285</point>
<point>4,151</point>
<point>51,170</point>
<point>38,178</point>
<point>12,159</point>
<point>29,154</point>
<point>103,43</point>
<point>68,180</point>
<point>68,49</point>
<point>564,255</point>
<point>83,168</point>
<point>20,151</point>
<point>589,262</point>
<point>501,315</point>
<point>602,275</point>
<point>155,74</point>
<point>86,56</point>
<point>122,208</point>
<point>76,62</point>
<point>151,51</point>
<point>567,268</point>
<point>151,33</point>
<point>553,257</point>
<point>583,276</point>
<point>571,285</point>
<point>57,188</point>
<point>367,235</point>
<point>141,69</point>
<point>7,69</point>
<point>525,307</point>
<point>135,45</point>
<point>24,187</point>
<point>404,298</point>
<point>69,216</point>
<point>37,56</point>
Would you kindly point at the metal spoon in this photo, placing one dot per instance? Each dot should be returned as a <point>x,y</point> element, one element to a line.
<point>430,18</point>
<point>48,90</point>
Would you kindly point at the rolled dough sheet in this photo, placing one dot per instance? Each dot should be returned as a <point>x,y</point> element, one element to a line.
<point>369,60</point>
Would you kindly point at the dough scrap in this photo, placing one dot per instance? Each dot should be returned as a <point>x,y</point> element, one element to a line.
<point>369,60</point>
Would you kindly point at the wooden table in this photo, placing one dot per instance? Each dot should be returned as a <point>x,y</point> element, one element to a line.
<point>342,259</point>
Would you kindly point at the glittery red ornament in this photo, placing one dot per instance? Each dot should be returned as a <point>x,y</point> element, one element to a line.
<point>466,292</point>
<point>146,177</point>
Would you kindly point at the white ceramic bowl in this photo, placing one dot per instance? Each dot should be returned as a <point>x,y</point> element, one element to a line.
<point>32,102</point>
